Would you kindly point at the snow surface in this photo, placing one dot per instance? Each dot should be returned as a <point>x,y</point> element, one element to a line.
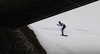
<point>83,30</point>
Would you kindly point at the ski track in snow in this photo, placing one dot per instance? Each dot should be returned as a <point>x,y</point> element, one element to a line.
<point>71,30</point>
<point>47,28</point>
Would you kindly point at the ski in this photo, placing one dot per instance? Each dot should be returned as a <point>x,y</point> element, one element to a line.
<point>65,35</point>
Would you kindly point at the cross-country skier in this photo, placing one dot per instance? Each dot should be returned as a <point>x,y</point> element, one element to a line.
<point>63,26</point>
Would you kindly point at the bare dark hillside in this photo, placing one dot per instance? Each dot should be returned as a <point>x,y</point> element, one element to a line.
<point>15,41</point>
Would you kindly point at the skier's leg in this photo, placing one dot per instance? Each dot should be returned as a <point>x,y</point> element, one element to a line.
<point>62,31</point>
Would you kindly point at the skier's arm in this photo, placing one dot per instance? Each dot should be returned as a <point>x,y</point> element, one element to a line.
<point>58,24</point>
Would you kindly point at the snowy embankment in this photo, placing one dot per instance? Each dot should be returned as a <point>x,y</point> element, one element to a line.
<point>83,31</point>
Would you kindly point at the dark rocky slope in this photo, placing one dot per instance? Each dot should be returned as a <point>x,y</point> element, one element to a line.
<point>19,41</point>
<point>29,34</point>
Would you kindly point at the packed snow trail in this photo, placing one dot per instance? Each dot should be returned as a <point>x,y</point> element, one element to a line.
<point>55,48</point>
<point>76,41</point>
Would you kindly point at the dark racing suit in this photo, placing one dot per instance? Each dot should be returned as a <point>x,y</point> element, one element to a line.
<point>63,27</point>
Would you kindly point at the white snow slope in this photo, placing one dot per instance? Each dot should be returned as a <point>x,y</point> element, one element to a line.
<point>83,30</point>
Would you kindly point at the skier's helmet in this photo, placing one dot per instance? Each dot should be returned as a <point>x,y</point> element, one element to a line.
<point>59,21</point>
